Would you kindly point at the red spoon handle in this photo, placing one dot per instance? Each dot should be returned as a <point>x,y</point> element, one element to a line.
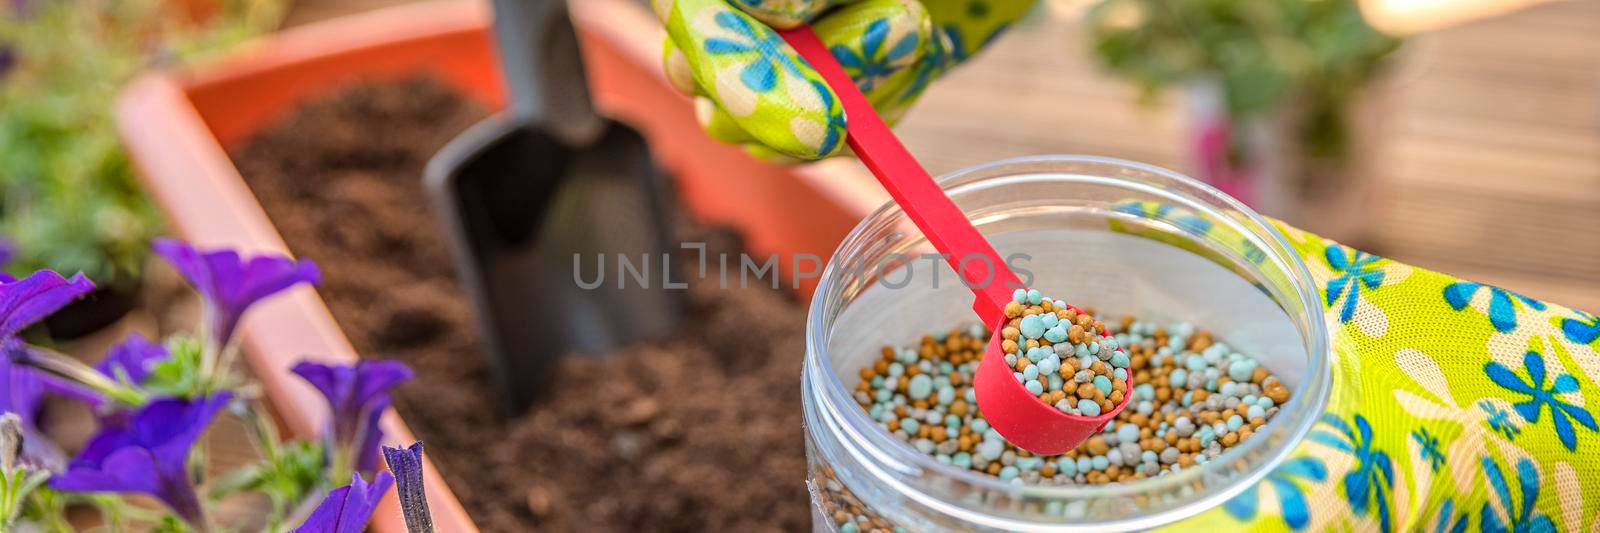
<point>983,270</point>
<point>1013,411</point>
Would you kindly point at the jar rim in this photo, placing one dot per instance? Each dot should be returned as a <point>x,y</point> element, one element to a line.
<point>1314,389</point>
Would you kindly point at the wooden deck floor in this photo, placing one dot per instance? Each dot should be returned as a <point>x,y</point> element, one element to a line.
<point>1492,164</point>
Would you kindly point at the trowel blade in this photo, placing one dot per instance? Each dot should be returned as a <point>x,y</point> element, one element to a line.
<point>525,212</point>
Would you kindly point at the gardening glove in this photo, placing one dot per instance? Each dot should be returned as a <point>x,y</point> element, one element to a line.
<point>752,89</point>
<point>1455,406</point>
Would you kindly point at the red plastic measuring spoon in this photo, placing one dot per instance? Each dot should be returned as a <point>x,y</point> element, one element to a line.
<point>1020,417</point>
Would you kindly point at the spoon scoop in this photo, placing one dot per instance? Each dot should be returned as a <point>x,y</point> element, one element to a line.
<point>1009,408</point>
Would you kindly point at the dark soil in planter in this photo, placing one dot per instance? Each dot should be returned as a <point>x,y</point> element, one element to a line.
<point>698,433</point>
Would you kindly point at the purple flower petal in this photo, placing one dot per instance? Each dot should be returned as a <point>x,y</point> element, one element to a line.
<point>119,467</point>
<point>24,391</point>
<point>366,451</point>
<point>357,396</point>
<point>31,299</point>
<point>135,357</point>
<point>23,394</point>
<point>347,509</point>
<point>231,284</point>
<point>171,427</point>
<point>406,464</point>
<point>149,455</point>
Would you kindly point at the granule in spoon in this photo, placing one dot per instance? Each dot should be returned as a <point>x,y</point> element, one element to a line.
<point>1063,356</point>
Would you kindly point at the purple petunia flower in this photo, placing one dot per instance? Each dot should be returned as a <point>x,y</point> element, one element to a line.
<point>133,358</point>
<point>357,396</point>
<point>24,390</point>
<point>23,303</point>
<point>347,509</point>
<point>23,394</point>
<point>26,301</point>
<point>149,455</point>
<point>230,283</point>
<point>406,463</point>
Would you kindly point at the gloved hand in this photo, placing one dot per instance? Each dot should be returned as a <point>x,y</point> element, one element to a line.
<point>752,89</point>
<point>1455,406</point>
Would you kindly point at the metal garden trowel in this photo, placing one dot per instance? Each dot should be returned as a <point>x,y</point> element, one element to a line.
<point>529,194</point>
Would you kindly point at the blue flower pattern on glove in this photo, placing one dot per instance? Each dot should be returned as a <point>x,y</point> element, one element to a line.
<point>1355,269</point>
<point>1286,481</point>
<point>870,65</point>
<point>1522,516</point>
<point>836,123</point>
<point>1369,486</point>
<point>1429,448</point>
<point>936,59</point>
<point>1502,303</point>
<point>1562,414</point>
<point>761,73</point>
<point>1499,420</point>
<point>1583,328</point>
<point>1450,521</point>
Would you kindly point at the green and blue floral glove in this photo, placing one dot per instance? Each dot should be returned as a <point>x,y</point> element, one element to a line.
<point>1455,406</point>
<point>752,89</point>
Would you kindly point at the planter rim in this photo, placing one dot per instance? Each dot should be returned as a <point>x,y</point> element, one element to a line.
<point>187,171</point>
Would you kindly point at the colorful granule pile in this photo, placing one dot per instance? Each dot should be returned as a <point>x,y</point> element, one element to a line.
<point>849,513</point>
<point>1192,399</point>
<point>1063,356</point>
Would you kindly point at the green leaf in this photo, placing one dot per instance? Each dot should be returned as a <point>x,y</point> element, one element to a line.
<point>293,476</point>
<point>246,478</point>
<point>1266,54</point>
<point>178,374</point>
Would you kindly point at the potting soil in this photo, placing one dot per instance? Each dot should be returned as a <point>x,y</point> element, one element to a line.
<point>702,433</point>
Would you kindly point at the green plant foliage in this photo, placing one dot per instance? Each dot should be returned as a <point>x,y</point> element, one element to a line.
<point>179,374</point>
<point>1265,54</point>
<point>68,198</point>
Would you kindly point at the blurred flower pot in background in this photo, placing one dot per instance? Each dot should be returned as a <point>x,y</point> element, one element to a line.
<point>1284,97</point>
<point>1268,162</point>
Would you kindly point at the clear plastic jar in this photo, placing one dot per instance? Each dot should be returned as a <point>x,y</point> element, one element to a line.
<point>1096,238</point>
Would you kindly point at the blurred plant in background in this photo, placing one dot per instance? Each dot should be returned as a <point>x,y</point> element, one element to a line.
<point>68,199</point>
<point>1289,71</point>
<point>1262,52</point>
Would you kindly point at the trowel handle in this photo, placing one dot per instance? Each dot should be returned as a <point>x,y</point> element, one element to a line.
<point>543,66</point>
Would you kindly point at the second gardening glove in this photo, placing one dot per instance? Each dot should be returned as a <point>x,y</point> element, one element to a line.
<point>751,88</point>
<point>1455,406</point>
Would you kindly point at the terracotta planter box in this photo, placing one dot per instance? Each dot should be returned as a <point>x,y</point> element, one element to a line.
<point>176,125</point>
